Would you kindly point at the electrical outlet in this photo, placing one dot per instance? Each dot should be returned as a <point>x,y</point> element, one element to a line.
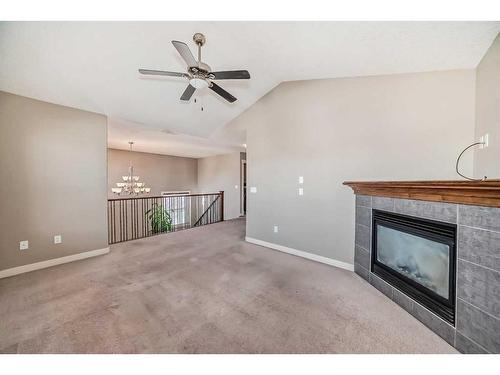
<point>57,239</point>
<point>23,245</point>
<point>253,189</point>
<point>301,191</point>
<point>275,229</point>
<point>301,179</point>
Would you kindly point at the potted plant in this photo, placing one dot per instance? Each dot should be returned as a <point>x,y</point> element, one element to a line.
<point>160,219</point>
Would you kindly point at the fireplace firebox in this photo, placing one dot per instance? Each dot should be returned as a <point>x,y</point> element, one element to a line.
<point>418,257</point>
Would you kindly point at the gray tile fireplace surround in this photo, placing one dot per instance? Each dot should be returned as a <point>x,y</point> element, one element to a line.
<point>478,269</point>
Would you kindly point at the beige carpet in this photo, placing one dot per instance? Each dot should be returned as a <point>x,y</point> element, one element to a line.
<point>203,290</point>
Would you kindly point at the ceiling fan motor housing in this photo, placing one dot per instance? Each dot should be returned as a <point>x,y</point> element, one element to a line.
<point>201,68</point>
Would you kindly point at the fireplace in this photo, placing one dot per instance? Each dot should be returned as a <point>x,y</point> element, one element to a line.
<point>418,257</point>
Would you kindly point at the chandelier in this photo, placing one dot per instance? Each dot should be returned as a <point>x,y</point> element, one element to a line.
<point>130,184</point>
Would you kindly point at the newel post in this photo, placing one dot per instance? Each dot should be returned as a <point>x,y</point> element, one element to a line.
<point>222,205</point>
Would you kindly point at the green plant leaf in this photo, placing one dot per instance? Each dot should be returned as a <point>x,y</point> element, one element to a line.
<point>159,218</point>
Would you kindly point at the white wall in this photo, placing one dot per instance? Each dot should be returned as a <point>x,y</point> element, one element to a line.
<point>487,161</point>
<point>222,172</point>
<point>408,126</point>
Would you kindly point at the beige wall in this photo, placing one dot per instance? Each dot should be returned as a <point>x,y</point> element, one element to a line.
<point>172,173</point>
<point>159,172</point>
<point>408,126</point>
<point>222,172</point>
<point>53,163</point>
<point>487,161</point>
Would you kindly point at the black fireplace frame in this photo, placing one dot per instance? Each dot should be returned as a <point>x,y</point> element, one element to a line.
<point>429,229</point>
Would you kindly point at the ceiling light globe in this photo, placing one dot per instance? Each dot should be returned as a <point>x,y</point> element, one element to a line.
<point>198,83</point>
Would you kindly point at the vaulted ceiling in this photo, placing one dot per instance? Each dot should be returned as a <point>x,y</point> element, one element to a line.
<point>93,65</point>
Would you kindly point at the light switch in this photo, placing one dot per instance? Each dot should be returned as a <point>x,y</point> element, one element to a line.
<point>23,245</point>
<point>253,189</point>
<point>275,229</point>
<point>236,186</point>
<point>301,179</point>
<point>57,239</point>
<point>301,191</point>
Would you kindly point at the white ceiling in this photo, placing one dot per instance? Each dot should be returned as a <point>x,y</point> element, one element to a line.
<point>93,66</point>
<point>147,139</point>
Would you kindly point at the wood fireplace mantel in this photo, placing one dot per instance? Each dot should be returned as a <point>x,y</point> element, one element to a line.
<point>483,193</point>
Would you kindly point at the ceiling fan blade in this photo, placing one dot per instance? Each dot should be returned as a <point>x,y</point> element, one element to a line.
<point>219,90</point>
<point>188,93</point>
<point>150,72</point>
<point>231,74</point>
<point>185,52</point>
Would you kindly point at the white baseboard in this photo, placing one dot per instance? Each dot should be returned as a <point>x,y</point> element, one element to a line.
<point>51,262</point>
<point>303,254</point>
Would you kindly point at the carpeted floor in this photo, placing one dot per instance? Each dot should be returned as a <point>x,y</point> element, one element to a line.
<point>203,290</point>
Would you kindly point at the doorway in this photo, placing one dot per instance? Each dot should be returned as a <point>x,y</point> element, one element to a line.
<point>243,184</point>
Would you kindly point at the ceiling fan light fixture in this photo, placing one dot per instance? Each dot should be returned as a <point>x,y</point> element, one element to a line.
<point>199,74</point>
<point>198,83</point>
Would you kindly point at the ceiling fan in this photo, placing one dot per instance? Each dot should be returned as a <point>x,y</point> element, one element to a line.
<point>198,73</point>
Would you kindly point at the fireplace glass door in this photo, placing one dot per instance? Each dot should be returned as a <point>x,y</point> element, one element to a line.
<point>424,261</point>
<point>416,256</point>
